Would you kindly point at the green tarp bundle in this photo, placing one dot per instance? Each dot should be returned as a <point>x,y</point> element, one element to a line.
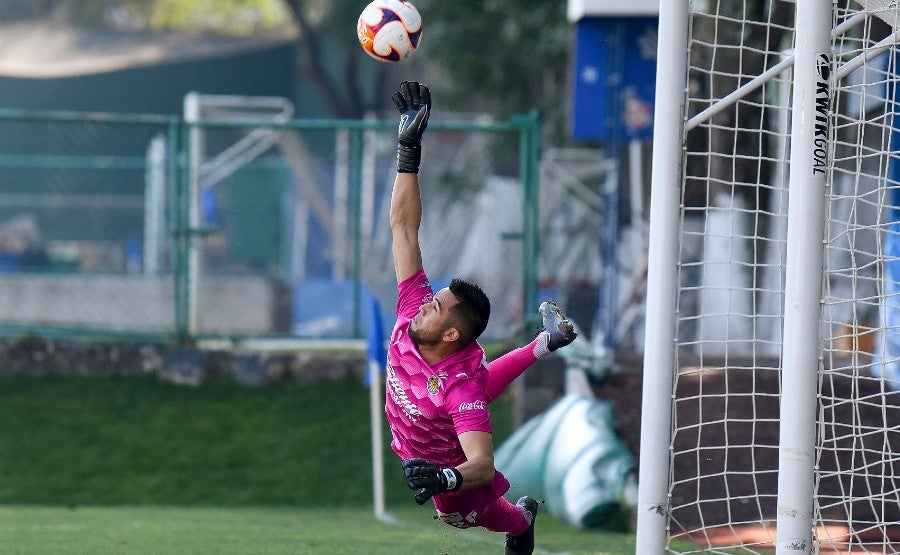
<point>570,457</point>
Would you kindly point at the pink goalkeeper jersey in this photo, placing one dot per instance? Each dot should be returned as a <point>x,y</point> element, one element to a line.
<point>428,406</point>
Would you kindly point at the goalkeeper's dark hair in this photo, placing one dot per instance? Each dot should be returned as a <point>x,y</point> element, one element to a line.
<point>471,314</point>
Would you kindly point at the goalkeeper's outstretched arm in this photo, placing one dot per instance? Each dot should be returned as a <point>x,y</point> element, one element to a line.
<point>413,101</point>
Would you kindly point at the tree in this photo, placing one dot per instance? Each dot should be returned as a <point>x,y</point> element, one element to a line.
<point>344,93</point>
<point>328,58</point>
<point>501,56</point>
<point>348,83</point>
<point>512,54</point>
<point>504,56</point>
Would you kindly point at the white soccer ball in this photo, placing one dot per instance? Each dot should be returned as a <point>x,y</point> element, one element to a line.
<point>389,30</point>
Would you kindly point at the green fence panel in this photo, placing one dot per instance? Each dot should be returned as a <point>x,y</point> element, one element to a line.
<point>145,226</point>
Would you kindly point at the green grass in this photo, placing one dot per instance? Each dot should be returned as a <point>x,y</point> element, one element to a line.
<point>76,441</point>
<point>111,465</point>
<point>335,530</point>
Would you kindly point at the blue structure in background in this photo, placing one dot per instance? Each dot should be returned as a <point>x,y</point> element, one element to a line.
<point>613,94</point>
<point>325,308</point>
<point>375,340</point>
<point>614,82</point>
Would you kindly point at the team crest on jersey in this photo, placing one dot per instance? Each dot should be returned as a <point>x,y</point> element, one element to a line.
<point>434,385</point>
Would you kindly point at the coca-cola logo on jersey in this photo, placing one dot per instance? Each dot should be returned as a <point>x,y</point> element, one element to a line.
<point>474,405</point>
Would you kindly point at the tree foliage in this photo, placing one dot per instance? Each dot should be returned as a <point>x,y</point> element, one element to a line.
<point>512,54</point>
<point>502,56</point>
<point>330,59</point>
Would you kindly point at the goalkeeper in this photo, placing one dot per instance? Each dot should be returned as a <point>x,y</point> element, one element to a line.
<point>438,381</point>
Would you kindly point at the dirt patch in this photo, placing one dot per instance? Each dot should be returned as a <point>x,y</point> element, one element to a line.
<point>725,454</point>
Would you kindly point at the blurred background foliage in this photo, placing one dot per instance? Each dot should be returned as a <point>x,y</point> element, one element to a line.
<point>496,56</point>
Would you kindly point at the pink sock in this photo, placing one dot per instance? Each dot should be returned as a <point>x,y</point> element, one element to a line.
<point>510,366</point>
<point>503,516</point>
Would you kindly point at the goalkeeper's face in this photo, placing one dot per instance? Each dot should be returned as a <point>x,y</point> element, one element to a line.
<point>429,326</point>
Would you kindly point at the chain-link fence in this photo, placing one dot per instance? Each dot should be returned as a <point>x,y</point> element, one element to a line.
<point>239,221</point>
<point>75,194</point>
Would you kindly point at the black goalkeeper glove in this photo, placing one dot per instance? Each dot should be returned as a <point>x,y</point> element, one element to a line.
<point>423,475</point>
<point>414,103</point>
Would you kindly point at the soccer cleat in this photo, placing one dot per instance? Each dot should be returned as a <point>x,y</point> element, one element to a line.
<point>523,544</point>
<point>561,331</point>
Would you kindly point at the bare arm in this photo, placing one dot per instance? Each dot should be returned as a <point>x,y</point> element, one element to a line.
<point>413,101</point>
<point>478,469</point>
<point>406,216</point>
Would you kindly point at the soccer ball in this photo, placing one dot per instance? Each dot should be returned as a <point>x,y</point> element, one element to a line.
<point>389,30</point>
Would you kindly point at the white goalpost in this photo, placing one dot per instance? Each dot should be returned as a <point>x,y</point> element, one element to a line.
<point>771,397</point>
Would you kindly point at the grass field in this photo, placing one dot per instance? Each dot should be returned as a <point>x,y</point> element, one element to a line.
<point>334,530</point>
<point>134,465</point>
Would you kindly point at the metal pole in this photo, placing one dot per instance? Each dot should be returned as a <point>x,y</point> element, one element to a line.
<point>532,238</point>
<point>356,147</point>
<point>176,226</point>
<point>810,150</point>
<point>195,159</point>
<point>342,166</point>
<point>662,277</point>
<point>529,127</point>
<point>376,417</point>
<point>154,204</point>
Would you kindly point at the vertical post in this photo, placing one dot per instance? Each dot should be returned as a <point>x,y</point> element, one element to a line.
<point>376,417</point>
<point>356,146</point>
<point>662,277</point>
<point>608,298</point>
<point>810,148</point>
<point>533,236</point>
<point>154,204</point>
<point>368,180</point>
<point>341,200</point>
<point>529,159</point>
<point>177,225</point>
<point>377,357</point>
<point>192,198</point>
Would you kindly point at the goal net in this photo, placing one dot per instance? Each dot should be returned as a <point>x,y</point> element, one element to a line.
<point>771,406</point>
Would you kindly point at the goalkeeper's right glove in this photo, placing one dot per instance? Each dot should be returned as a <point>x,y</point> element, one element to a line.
<point>426,476</point>
<point>414,103</point>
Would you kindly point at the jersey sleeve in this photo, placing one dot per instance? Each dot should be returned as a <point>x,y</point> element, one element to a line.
<point>465,402</point>
<point>413,292</point>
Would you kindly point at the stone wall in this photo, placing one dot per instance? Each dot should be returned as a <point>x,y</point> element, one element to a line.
<point>179,364</point>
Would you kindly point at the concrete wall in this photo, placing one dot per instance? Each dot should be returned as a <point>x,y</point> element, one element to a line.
<point>227,304</point>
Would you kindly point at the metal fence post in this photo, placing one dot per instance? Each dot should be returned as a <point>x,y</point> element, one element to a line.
<point>529,128</point>
<point>356,147</point>
<point>180,205</point>
<point>176,222</point>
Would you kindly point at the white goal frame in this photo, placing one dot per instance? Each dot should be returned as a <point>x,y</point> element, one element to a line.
<point>812,69</point>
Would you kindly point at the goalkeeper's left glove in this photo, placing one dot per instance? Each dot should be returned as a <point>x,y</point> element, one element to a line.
<point>425,476</point>
<point>414,103</point>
